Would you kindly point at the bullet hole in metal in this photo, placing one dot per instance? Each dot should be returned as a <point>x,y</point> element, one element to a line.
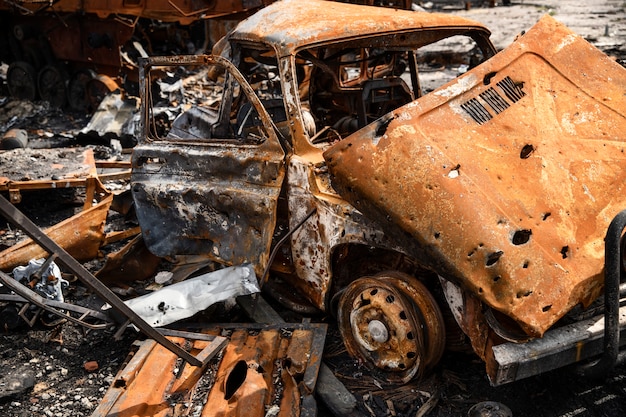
<point>480,290</point>
<point>390,299</point>
<point>437,235</point>
<point>526,151</point>
<point>382,127</point>
<point>235,379</point>
<point>526,263</point>
<point>496,278</point>
<point>545,216</point>
<point>401,366</point>
<point>374,291</point>
<point>402,315</point>
<point>494,257</point>
<point>523,293</point>
<point>564,251</point>
<point>488,77</point>
<point>521,236</point>
<point>546,308</point>
<point>455,172</point>
<point>411,355</point>
<point>471,253</point>
<point>410,336</point>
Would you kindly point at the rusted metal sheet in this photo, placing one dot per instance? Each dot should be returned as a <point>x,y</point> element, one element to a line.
<point>49,169</point>
<point>81,235</point>
<point>263,368</point>
<point>505,179</point>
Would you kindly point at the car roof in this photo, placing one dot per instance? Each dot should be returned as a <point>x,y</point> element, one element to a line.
<point>289,25</point>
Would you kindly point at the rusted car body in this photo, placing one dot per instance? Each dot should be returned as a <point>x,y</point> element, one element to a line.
<point>510,198</point>
<point>239,175</point>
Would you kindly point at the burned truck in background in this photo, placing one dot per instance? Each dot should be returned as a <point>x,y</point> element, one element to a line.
<point>241,173</point>
<point>74,53</point>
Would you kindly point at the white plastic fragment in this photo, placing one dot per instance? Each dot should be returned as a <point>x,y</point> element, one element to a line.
<point>50,285</point>
<point>184,299</point>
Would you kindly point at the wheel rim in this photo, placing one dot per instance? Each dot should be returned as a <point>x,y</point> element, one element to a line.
<point>21,81</point>
<point>427,309</point>
<point>51,84</point>
<point>379,326</point>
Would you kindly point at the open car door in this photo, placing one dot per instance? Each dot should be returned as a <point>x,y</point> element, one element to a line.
<point>207,175</point>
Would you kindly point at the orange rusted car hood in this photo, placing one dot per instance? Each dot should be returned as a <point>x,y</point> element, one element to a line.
<point>504,180</point>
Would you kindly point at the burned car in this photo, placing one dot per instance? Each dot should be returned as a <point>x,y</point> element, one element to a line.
<point>237,172</point>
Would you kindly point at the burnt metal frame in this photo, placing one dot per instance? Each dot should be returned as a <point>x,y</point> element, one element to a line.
<point>612,278</point>
<point>12,214</point>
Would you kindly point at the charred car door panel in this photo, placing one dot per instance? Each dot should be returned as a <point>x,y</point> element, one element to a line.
<point>210,183</point>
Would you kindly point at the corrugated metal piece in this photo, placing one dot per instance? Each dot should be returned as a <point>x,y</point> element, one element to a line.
<point>262,366</point>
<point>505,179</point>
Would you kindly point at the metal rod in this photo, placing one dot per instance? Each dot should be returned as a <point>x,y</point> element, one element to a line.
<point>31,229</point>
<point>612,275</point>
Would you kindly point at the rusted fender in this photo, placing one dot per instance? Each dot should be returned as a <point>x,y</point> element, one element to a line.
<point>505,179</point>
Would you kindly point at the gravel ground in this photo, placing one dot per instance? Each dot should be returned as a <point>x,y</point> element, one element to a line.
<point>52,361</point>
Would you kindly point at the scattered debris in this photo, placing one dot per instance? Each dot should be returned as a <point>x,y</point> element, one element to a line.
<point>44,276</point>
<point>91,366</point>
<point>13,139</point>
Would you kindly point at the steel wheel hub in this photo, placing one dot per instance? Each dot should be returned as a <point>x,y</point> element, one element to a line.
<point>392,323</point>
<point>378,325</point>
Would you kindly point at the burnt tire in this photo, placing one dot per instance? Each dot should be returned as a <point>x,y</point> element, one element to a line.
<point>22,80</point>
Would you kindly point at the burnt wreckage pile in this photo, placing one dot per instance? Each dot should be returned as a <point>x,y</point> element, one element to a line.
<point>309,162</point>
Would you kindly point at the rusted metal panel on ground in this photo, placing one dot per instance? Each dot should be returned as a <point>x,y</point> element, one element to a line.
<point>81,235</point>
<point>49,169</point>
<point>263,367</point>
<point>505,179</point>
